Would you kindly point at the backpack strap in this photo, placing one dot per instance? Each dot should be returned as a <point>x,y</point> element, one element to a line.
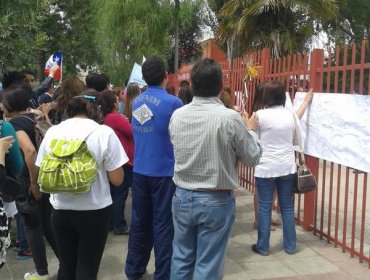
<point>91,132</point>
<point>27,117</point>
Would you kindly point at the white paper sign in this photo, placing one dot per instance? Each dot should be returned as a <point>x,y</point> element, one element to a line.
<point>136,76</point>
<point>336,127</point>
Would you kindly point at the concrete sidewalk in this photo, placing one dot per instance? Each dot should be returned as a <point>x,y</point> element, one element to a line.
<point>315,259</point>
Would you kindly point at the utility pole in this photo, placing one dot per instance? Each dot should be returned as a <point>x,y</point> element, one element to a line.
<point>177,13</point>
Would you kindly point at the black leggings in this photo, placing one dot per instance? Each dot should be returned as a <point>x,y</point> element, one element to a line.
<point>81,237</point>
<point>36,225</point>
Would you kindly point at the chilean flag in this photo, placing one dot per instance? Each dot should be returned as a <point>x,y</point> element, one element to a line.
<point>55,58</point>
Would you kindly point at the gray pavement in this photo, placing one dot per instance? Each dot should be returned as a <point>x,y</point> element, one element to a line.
<point>315,259</point>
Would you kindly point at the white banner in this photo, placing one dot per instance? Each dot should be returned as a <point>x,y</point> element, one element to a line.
<point>136,76</point>
<point>336,127</point>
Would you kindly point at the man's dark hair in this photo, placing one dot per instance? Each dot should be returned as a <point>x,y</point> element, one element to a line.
<point>17,97</point>
<point>11,78</point>
<point>90,79</point>
<point>25,72</point>
<point>273,94</point>
<point>206,78</point>
<point>154,71</point>
<point>101,82</point>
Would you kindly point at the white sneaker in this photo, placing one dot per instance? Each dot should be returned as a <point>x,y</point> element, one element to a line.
<point>35,276</point>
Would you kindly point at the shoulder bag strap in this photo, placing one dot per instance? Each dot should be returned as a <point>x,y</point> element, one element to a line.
<point>299,139</point>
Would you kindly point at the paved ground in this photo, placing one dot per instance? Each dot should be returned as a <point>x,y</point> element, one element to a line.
<point>315,259</point>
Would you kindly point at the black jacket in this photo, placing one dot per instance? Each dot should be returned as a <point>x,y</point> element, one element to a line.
<point>43,87</point>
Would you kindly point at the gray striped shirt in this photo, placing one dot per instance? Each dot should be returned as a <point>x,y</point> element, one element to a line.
<point>208,141</point>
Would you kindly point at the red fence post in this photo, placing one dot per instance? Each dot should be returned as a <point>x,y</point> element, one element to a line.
<point>265,63</point>
<point>316,82</point>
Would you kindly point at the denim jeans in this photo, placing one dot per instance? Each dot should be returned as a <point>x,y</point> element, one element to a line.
<point>21,235</point>
<point>265,190</point>
<point>202,222</point>
<point>119,196</point>
<point>151,225</point>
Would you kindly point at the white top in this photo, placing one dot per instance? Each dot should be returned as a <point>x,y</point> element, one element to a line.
<point>276,131</point>
<point>10,209</point>
<point>109,155</point>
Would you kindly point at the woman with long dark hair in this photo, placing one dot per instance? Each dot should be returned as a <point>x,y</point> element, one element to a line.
<point>108,103</point>
<point>133,90</point>
<point>15,104</point>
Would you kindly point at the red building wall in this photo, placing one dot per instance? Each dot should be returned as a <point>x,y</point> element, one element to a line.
<point>210,50</point>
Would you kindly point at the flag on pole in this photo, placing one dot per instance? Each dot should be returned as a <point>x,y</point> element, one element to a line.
<point>55,58</point>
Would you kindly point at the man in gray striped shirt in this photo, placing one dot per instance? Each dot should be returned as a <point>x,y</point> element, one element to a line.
<point>208,141</point>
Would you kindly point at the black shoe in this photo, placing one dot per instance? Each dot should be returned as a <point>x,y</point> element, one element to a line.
<point>123,231</point>
<point>254,249</point>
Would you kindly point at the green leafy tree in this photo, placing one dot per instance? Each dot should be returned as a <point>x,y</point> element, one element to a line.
<point>284,25</point>
<point>22,35</point>
<point>186,47</point>
<point>189,48</point>
<point>74,34</point>
<point>352,23</point>
<point>31,30</point>
<point>128,30</point>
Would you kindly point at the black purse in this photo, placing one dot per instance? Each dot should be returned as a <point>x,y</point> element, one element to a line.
<point>305,180</point>
<point>27,205</point>
<point>11,188</point>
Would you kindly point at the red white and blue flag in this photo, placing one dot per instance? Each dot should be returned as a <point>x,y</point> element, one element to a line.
<point>55,58</point>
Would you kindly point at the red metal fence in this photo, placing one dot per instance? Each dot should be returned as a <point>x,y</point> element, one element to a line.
<point>339,211</point>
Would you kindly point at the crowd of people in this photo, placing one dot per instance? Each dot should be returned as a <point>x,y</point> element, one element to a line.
<point>177,151</point>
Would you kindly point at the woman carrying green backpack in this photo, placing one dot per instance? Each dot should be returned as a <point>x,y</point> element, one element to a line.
<point>81,219</point>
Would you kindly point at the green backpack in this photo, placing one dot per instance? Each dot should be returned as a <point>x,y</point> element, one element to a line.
<point>70,167</point>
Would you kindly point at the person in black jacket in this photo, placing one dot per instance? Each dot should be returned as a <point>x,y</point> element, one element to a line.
<point>29,77</point>
<point>16,78</point>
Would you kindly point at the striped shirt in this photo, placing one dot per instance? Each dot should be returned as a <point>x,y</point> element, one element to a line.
<point>208,141</point>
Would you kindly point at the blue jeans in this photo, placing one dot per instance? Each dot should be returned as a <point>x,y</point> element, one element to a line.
<point>151,224</point>
<point>21,235</point>
<point>119,196</point>
<point>265,190</point>
<point>202,222</point>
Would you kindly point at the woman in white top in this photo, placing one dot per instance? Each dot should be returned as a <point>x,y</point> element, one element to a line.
<point>277,167</point>
<point>81,221</point>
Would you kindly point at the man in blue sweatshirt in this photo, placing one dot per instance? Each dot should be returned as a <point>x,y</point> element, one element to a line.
<point>152,185</point>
